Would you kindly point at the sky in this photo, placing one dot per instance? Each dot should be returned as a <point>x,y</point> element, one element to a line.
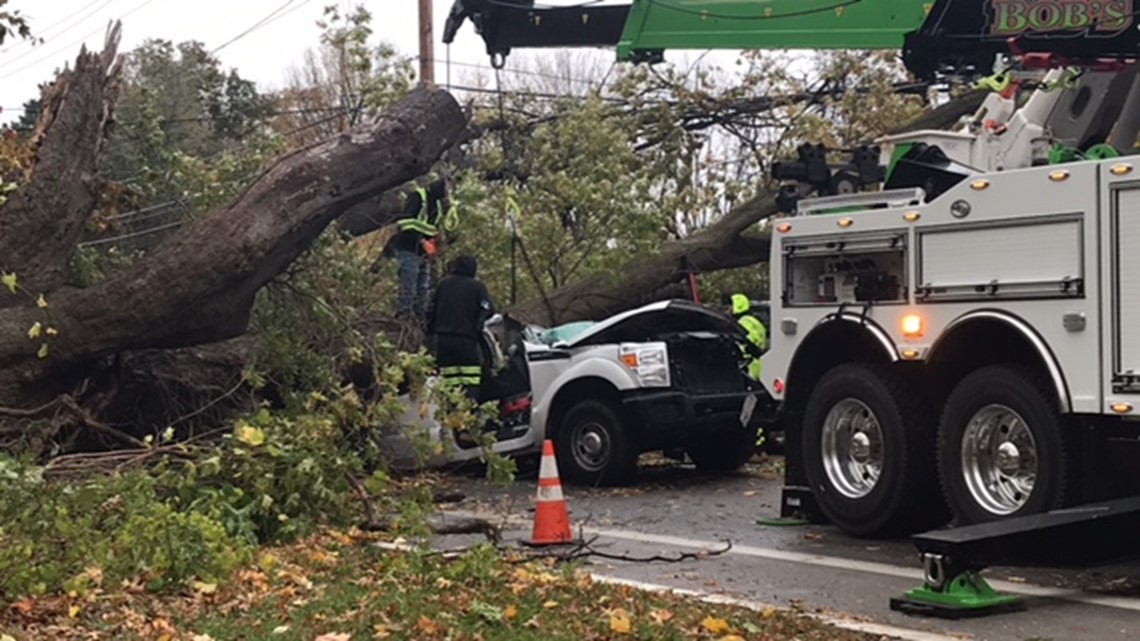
<point>262,55</point>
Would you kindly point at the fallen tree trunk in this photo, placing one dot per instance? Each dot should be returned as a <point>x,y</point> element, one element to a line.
<point>729,243</point>
<point>199,286</point>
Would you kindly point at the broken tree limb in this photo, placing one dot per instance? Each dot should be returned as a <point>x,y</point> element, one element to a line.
<point>730,242</point>
<point>43,218</point>
<point>199,286</point>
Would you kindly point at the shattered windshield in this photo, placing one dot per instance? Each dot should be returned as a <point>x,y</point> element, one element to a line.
<point>562,333</point>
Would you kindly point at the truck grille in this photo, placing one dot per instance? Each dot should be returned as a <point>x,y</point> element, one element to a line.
<point>706,365</point>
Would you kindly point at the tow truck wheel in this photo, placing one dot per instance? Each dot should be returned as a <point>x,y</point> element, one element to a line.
<point>868,442</point>
<point>1001,447</point>
<point>593,447</point>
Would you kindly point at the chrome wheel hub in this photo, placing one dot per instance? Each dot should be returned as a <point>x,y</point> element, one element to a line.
<point>999,459</point>
<point>852,447</point>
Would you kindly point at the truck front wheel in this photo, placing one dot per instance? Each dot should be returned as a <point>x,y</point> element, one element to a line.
<point>1001,447</point>
<point>593,446</point>
<point>868,444</point>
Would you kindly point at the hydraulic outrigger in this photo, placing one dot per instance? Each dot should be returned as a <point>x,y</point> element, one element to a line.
<point>1079,55</point>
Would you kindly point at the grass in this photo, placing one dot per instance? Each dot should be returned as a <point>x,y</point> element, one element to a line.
<point>338,586</point>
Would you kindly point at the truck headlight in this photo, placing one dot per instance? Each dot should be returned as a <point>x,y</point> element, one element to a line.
<point>650,364</point>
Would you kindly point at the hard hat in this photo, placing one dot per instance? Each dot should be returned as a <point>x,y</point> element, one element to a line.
<point>740,304</point>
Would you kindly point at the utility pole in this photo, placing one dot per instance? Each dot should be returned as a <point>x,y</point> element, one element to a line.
<point>427,55</point>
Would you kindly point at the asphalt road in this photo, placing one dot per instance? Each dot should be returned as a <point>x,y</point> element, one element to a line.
<point>673,510</point>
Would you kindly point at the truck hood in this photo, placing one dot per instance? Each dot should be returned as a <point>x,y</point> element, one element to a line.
<point>655,320</point>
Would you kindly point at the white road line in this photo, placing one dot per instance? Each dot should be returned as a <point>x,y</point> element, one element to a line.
<point>906,634</point>
<point>838,563</point>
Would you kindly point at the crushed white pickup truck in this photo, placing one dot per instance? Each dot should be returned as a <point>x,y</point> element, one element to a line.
<point>667,376</point>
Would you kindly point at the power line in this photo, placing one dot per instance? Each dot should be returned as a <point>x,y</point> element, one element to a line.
<point>254,27</point>
<point>43,33</point>
<point>522,72</point>
<point>70,45</point>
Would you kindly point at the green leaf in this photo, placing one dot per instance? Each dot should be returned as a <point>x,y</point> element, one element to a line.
<point>43,353</point>
<point>9,280</point>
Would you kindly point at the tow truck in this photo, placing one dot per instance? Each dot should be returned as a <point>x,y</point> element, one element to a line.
<point>956,314</point>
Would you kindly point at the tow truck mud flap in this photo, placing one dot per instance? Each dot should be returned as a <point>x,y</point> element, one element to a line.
<point>1084,535</point>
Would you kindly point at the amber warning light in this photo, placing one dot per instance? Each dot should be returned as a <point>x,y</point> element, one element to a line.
<point>911,325</point>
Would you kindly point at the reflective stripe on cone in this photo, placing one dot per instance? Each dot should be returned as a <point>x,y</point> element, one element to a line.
<point>551,521</point>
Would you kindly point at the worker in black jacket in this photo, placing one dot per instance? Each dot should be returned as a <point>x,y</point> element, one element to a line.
<point>455,318</point>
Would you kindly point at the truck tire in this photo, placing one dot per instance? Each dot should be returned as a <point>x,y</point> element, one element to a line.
<point>868,442</point>
<point>723,451</point>
<point>1001,447</point>
<point>593,446</point>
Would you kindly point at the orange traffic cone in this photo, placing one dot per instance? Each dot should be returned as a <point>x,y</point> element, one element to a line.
<point>551,522</point>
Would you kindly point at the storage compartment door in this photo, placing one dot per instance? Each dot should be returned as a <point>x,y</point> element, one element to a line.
<point>1126,288</point>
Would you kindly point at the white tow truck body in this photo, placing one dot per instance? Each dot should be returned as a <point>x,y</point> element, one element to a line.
<point>1035,269</point>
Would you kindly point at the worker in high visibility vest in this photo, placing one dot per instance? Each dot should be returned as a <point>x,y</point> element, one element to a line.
<point>416,243</point>
<point>757,333</point>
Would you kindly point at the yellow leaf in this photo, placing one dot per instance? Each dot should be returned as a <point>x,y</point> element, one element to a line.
<point>281,629</point>
<point>41,302</point>
<point>619,622</point>
<point>380,631</point>
<point>9,280</point>
<point>43,352</point>
<point>550,605</point>
<point>768,612</point>
<point>714,625</point>
<point>334,636</point>
<point>510,612</point>
<point>51,331</point>
<point>36,330</point>
<point>250,435</point>
<point>732,637</point>
<point>73,612</point>
<point>204,588</point>
<point>7,637</point>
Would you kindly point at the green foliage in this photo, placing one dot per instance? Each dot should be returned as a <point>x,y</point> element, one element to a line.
<point>63,537</point>
<point>344,81</point>
<point>179,107</point>
<point>13,23</point>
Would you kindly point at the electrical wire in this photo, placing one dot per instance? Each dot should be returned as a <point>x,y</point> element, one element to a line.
<point>519,72</point>
<point>254,27</point>
<point>56,52</point>
<point>275,19</point>
<point>42,34</point>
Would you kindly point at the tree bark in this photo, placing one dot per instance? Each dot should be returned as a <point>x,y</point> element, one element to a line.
<point>43,219</point>
<point>731,242</point>
<point>199,286</point>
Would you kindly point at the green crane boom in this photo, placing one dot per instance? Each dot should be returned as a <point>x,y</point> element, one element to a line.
<point>939,36</point>
<point>655,25</point>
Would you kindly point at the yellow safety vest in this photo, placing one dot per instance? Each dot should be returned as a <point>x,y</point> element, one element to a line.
<point>422,225</point>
